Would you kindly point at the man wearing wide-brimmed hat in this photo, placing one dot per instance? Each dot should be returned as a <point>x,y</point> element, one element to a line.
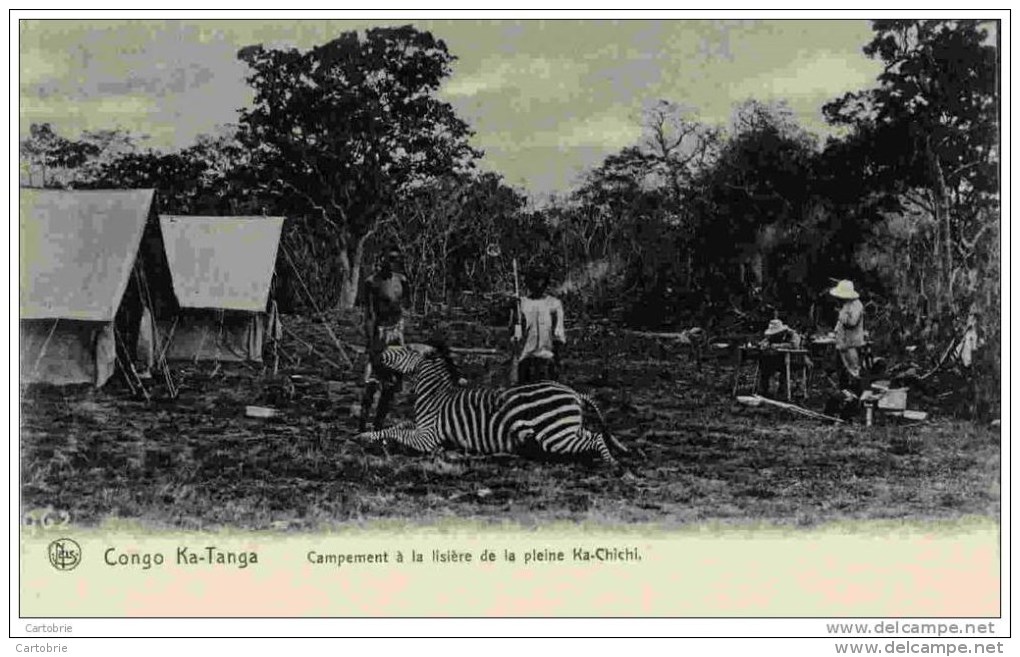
<point>849,334</point>
<point>777,334</point>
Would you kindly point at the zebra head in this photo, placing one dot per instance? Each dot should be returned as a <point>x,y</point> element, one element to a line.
<point>438,366</point>
<point>402,360</point>
<point>431,364</point>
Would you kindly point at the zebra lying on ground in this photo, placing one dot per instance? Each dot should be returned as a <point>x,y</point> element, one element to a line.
<point>546,415</point>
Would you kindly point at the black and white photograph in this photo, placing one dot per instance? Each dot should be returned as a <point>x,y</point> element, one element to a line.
<point>292,276</point>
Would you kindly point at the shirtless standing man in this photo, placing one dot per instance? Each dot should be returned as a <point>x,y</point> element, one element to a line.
<point>385,293</point>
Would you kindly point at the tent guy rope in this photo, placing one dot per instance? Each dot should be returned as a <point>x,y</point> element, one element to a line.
<point>315,307</point>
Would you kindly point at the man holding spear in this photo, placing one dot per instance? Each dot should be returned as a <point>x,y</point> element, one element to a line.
<point>538,331</point>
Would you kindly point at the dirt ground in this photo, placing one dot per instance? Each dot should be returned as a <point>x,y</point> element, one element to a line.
<point>696,455</point>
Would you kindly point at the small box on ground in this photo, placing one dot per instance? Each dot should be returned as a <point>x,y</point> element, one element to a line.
<point>260,411</point>
<point>894,399</point>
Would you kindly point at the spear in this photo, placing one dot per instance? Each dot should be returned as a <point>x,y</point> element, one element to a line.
<point>517,296</point>
<point>515,349</point>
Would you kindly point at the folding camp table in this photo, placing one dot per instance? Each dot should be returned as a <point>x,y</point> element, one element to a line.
<point>792,358</point>
<point>824,354</point>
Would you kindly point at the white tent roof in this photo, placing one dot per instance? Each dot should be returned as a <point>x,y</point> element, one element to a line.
<point>77,250</point>
<point>221,262</point>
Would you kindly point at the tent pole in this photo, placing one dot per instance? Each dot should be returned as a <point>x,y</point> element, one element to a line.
<point>162,362</point>
<point>201,344</point>
<point>271,332</point>
<point>219,338</point>
<point>143,284</point>
<point>42,349</point>
<point>311,348</point>
<point>169,339</point>
<point>130,371</point>
<point>127,379</point>
<point>276,357</point>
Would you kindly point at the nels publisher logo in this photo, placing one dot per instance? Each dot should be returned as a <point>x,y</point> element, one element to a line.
<point>64,554</point>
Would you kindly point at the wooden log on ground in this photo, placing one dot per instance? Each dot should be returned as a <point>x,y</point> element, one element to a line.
<point>484,351</point>
<point>664,336</point>
<point>758,399</point>
<point>476,350</point>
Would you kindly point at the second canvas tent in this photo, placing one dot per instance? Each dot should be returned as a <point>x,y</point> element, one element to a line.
<point>222,274</point>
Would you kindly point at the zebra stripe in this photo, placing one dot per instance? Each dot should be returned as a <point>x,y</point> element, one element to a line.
<point>547,414</point>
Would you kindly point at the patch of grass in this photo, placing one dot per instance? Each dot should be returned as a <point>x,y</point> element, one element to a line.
<point>199,463</point>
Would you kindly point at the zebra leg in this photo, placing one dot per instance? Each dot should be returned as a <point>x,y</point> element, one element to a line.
<point>392,433</point>
<point>594,442</point>
<point>588,399</point>
<point>405,434</point>
<point>383,408</point>
<point>366,404</point>
<point>598,444</point>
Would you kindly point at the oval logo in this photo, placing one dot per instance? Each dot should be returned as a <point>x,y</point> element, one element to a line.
<point>64,554</point>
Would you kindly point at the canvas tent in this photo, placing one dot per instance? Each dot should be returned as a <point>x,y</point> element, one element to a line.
<point>222,272</point>
<point>81,280</point>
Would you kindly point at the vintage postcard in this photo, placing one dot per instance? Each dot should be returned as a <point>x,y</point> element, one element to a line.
<point>392,316</point>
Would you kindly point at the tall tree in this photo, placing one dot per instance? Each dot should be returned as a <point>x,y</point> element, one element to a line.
<point>932,127</point>
<point>340,131</point>
<point>676,146</point>
<point>755,197</point>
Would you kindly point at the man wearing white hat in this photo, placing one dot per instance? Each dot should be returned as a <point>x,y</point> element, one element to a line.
<point>849,333</point>
<point>777,334</point>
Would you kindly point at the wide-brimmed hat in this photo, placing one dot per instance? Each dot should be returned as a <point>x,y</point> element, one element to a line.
<point>844,290</point>
<point>775,326</point>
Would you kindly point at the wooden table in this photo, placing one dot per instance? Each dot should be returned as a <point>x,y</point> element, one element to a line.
<point>790,356</point>
<point>825,353</point>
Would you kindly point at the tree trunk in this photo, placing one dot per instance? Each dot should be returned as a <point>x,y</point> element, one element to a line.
<point>943,223</point>
<point>937,259</point>
<point>351,252</point>
<point>947,239</point>
<point>349,290</point>
<point>447,293</point>
<point>689,272</point>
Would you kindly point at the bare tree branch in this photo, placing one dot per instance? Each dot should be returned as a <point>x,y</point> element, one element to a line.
<point>322,210</point>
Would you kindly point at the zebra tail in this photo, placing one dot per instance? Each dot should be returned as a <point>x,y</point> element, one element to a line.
<point>609,437</point>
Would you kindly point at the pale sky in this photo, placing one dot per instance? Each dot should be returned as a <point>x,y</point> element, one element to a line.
<point>546,99</point>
